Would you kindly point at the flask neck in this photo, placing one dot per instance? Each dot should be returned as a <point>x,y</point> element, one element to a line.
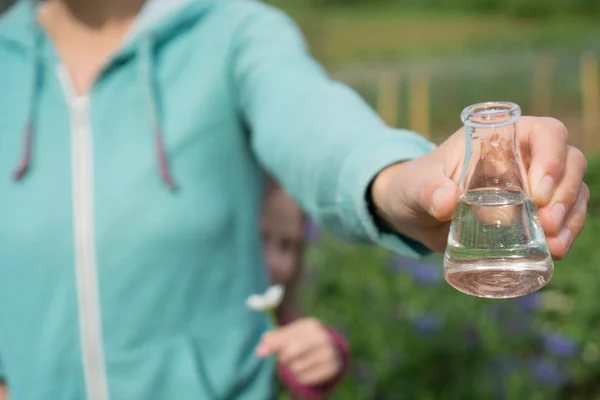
<point>493,159</point>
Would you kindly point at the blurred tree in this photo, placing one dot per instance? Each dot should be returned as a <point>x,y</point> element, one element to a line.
<point>537,8</point>
<point>587,6</point>
<point>347,2</point>
<point>518,8</point>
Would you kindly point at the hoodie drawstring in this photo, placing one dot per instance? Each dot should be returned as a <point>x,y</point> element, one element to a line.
<point>28,130</point>
<point>147,75</point>
<point>145,62</point>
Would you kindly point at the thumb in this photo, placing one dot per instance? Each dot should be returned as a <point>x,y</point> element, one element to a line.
<point>438,195</point>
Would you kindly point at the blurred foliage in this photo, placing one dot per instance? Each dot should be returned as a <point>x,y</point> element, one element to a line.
<point>415,337</point>
<point>520,8</point>
<point>593,181</point>
<point>391,32</point>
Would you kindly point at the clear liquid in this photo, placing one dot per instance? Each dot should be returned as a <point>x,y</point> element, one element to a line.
<point>496,247</point>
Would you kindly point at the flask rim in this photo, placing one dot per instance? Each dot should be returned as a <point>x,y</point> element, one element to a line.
<point>491,114</point>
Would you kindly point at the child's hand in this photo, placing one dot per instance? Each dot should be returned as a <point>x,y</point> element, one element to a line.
<point>306,348</point>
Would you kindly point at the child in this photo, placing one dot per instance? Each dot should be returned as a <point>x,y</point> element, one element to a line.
<point>323,357</point>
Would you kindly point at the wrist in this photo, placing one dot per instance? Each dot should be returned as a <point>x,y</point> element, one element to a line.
<point>378,196</point>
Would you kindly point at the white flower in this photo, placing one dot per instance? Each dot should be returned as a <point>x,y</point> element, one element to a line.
<point>268,301</point>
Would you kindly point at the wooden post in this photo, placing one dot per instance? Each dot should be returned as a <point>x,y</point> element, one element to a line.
<point>419,103</point>
<point>542,85</point>
<point>590,98</point>
<point>388,97</point>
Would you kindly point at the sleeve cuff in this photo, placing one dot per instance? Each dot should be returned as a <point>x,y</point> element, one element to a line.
<point>360,169</point>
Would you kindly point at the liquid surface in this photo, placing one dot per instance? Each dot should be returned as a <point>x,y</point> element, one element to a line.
<point>496,247</point>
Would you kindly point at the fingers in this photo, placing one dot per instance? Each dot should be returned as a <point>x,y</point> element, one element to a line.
<point>292,340</point>
<point>556,174</point>
<point>567,192</point>
<point>270,343</point>
<point>561,243</point>
<point>300,347</point>
<point>546,139</point>
<point>305,348</point>
<point>320,368</point>
<point>317,364</point>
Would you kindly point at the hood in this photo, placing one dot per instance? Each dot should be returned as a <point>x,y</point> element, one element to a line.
<point>157,22</point>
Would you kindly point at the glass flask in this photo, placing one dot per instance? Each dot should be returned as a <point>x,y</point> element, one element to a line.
<point>496,246</point>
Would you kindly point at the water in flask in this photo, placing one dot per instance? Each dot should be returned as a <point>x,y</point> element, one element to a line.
<point>496,246</point>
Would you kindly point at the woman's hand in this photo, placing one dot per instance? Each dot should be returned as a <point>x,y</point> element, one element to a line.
<point>306,348</point>
<point>418,197</point>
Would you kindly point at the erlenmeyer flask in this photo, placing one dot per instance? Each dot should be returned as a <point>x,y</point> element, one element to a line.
<point>496,247</point>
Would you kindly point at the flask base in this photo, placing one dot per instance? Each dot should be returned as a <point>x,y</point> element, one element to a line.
<point>498,278</point>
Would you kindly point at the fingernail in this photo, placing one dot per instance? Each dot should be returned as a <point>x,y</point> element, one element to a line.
<point>435,200</point>
<point>565,238</point>
<point>558,214</point>
<point>545,188</point>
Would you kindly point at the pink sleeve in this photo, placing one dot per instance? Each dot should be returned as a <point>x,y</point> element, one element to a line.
<point>315,392</point>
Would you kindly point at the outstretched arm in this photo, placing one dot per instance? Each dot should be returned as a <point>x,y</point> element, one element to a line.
<point>316,136</point>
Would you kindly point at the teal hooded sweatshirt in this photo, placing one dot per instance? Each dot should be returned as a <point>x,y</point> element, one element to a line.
<point>128,218</point>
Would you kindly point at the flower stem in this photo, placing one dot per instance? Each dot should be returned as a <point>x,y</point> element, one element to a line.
<point>272,317</point>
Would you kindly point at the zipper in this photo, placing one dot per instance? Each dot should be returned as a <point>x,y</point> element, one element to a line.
<point>88,299</point>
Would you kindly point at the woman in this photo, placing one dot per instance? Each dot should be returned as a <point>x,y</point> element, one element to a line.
<point>137,134</point>
<point>128,283</point>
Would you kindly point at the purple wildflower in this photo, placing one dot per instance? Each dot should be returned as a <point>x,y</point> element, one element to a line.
<point>312,231</point>
<point>399,264</point>
<point>529,302</point>
<point>427,324</point>
<point>559,345</point>
<point>427,274</point>
<point>422,273</point>
<point>549,372</point>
